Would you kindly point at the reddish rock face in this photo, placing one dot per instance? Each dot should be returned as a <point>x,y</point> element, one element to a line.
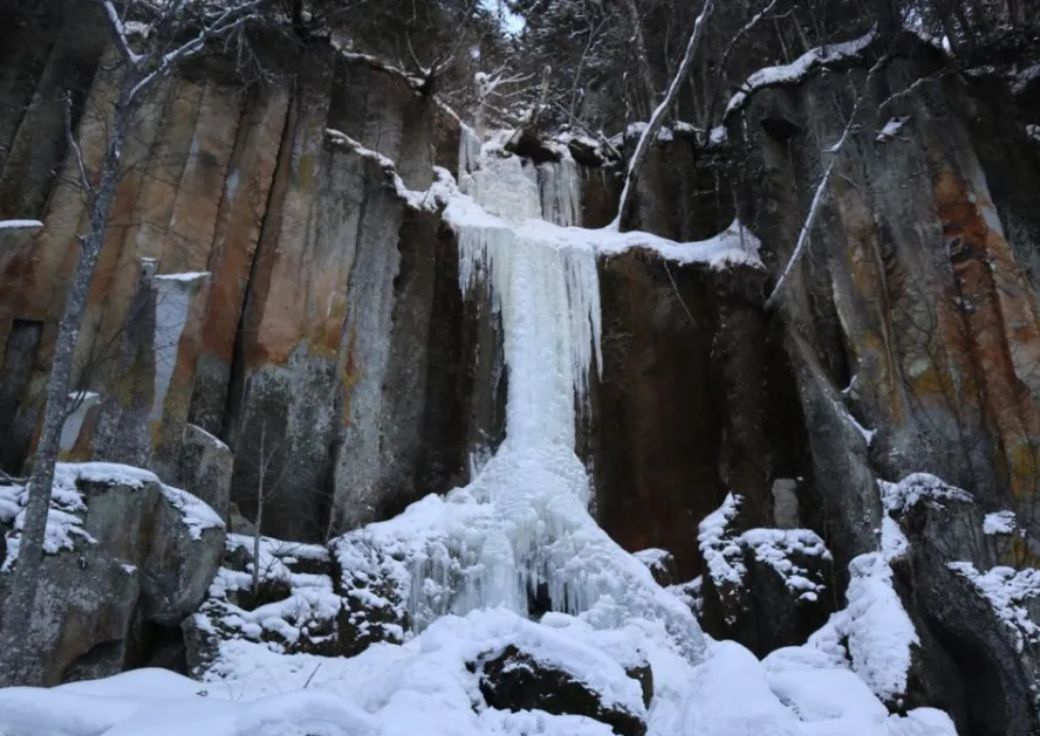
<point>254,280</point>
<point>999,322</point>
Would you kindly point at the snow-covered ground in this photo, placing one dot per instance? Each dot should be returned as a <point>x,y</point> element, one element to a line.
<point>424,686</point>
<point>464,567</point>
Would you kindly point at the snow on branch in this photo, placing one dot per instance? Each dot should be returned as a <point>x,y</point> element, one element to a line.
<point>115,23</point>
<point>148,67</point>
<point>420,84</point>
<point>797,69</point>
<point>236,15</point>
<point>416,200</point>
<point>379,65</point>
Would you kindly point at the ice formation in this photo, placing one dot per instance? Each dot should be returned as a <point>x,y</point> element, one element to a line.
<point>520,535</point>
<point>559,186</point>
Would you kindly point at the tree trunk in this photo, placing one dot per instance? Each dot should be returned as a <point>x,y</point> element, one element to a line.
<point>646,75</point>
<point>17,653</point>
<point>262,465</point>
<point>657,118</point>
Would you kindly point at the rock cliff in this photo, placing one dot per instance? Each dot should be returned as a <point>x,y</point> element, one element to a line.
<point>269,304</point>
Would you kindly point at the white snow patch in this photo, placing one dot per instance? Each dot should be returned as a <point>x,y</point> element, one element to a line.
<point>900,497</point>
<point>894,543</point>
<point>720,549</point>
<point>723,550</point>
<point>1009,592</point>
<point>186,276</point>
<point>20,224</point>
<point>797,69</point>
<point>891,129</point>
<point>775,547</point>
<point>999,522</point>
<point>876,627</point>
<point>83,401</point>
<point>196,514</point>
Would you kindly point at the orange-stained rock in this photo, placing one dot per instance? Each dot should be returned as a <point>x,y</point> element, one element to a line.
<point>243,206</point>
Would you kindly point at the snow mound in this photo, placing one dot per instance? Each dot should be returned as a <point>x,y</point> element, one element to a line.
<point>161,703</point>
<point>430,686</point>
<point>873,633</point>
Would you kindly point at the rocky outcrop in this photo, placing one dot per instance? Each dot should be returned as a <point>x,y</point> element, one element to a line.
<point>128,559</point>
<point>301,600</point>
<point>978,616</point>
<point>910,325</point>
<point>766,588</point>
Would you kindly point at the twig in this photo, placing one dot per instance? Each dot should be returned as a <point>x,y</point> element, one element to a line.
<point>316,668</point>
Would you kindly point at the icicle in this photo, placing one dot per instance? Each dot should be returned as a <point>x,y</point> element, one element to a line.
<point>559,184</point>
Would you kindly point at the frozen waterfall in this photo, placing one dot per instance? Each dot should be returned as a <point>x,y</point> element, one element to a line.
<point>520,534</point>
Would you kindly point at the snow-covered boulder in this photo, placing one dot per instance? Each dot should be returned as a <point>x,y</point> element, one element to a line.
<point>127,557</point>
<point>766,588</point>
<point>957,561</point>
<point>517,681</point>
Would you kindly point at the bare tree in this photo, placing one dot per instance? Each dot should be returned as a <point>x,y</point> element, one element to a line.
<point>171,32</point>
<point>264,491</point>
<point>659,113</point>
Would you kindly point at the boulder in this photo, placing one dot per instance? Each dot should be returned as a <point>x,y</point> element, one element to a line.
<point>205,467</point>
<point>977,615</point>
<point>765,588</point>
<point>514,680</point>
<point>127,556</point>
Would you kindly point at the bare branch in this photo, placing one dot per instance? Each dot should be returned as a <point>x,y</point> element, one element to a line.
<point>115,24</point>
<point>70,137</point>
<point>232,18</point>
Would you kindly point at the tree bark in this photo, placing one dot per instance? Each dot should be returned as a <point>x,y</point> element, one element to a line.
<point>262,465</point>
<point>16,653</point>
